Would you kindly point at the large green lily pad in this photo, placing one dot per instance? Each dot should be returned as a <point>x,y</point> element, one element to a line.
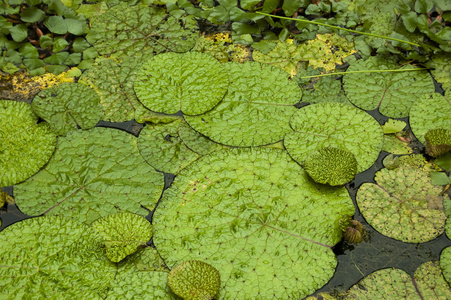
<point>92,174</point>
<point>334,125</point>
<point>140,31</point>
<point>431,111</point>
<point>445,263</point>
<point>403,204</point>
<point>255,110</point>
<point>25,144</point>
<point>68,106</point>
<point>255,215</point>
<point>53,258</point>
<point>191,82</point>
<point>392,92</point>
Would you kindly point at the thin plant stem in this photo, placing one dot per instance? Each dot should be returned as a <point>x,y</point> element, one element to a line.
<point>339,28</point>
<point>362,71</point>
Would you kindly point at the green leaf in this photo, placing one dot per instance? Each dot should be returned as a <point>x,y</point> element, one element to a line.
<point>445,263</point>
<point>440,178</point>
<point>191,82</point>
<point>78,180</point>
<point>25,144</point>
<point>334,125</point>
<point>394,145</point>
<point>438,141</point>
<point>444,161</point>
<point>73,59</point>
<point>393,126</point>
<point>76,27</point>
<point>410,21</point>
<point>53,258</point>
<point>194,279</point>
<point>325,89</point>
<point>80,44</point>
<point>29,51</point>
<point>57,58</point>
<point>139,31</point>
<point>32,15</point>
<point>122,234</point>
<point>68,106</point>
<point>255,216</point>
<point>403,204</point>
<point>113,81</point>
<point>56,69</point>
<point>423,6</point>
<point>56,24</point>
<point>393,93</point>
<point>256,92</point>
<point>441,68</point>
<point>59,43</point>
<point>32,64</point>
<point>430,112</point>
<point>45,41</point>
<point>19,32</point>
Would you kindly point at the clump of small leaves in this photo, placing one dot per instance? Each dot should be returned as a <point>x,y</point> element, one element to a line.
<point>331,166</point>
<point>194,280</point>
<point>438,142</point>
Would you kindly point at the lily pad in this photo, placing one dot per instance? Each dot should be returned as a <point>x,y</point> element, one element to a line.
<point>441,68</point>
<point>403,204</point>
<point>113,81</point>
<point>325,89</point>
<point>25,144</point>
<point>191,82</point>
<point>430,112</point>
<point>140,31</point>
<point>334,125</point>
<point>393,93</point>
<point>427,283</point>
<point>68,106</point>
<point>92,174</point>
<point>255,215</point>
<point>445,263</point>
<point>53,258</point>
<point>255,110</point>
<point>122,234</point>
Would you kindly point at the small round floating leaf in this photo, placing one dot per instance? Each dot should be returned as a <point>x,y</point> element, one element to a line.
<point>56,24</point>
<point>53,258</point>
<point>68,106</point>
<point>19,32</point>
<point>32,14</point>
<point>335,125</point>
<point>194,280</point>
<point>122,234</point>
<point>331,166</point>
<point>191,82</point>
<point>92,174</point>
<point>392,92</point>
<point>256,216</point>
<point>445,263</point>
<point>255,110</point>
<point>438,142</point>
<point>25,145</point>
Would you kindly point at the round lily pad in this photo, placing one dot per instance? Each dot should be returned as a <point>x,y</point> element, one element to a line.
<point>335,125</point>
<point>191,82</point>
<point>68,106</point>
<point>93,173</point>
<point>53,258</point>
<point>445,263</point>
<point>254,215</point>
<point>431,111</point>
<point>122,234</point>
<point>403,204</point>
<point>25,144</point>
<point>255,110</point>
<point>392,92</point>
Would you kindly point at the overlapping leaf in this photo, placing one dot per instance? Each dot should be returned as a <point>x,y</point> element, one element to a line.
<point>92,174</point>
<point>334,125</point>
<point>190,82</point>
<point>25,144</point>
<point>393,93</point>
<point>53,258</point>
<point>256,217</point>
<point>68,106</point>
<point>255,110</point>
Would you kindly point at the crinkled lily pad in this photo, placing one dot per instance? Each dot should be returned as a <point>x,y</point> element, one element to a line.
<point>445,263</point>
<point>92,174</point>
<point>25,145</point>
<point>140,31</point>
<point>255,110</point>
<point>53,258</point>
<point>427,283</point>
<point>113,81</point>
<point>430,112</point>
<point>68,106</point>
<point>326,89</point>
<point>403,204</point>
<point>255,216</point>
<point>191,82</point>
<point>438,141</point>
<point>334,125</point>
<point>392,92</point>
<point>122,234</point>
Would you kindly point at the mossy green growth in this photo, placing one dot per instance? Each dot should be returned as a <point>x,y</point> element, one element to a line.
<point>438,142</point>
<point>331,166</point>
<point>194,280</point>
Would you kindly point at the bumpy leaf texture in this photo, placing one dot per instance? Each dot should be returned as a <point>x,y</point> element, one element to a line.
<point>93,173</point>
<point>256,217</point>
